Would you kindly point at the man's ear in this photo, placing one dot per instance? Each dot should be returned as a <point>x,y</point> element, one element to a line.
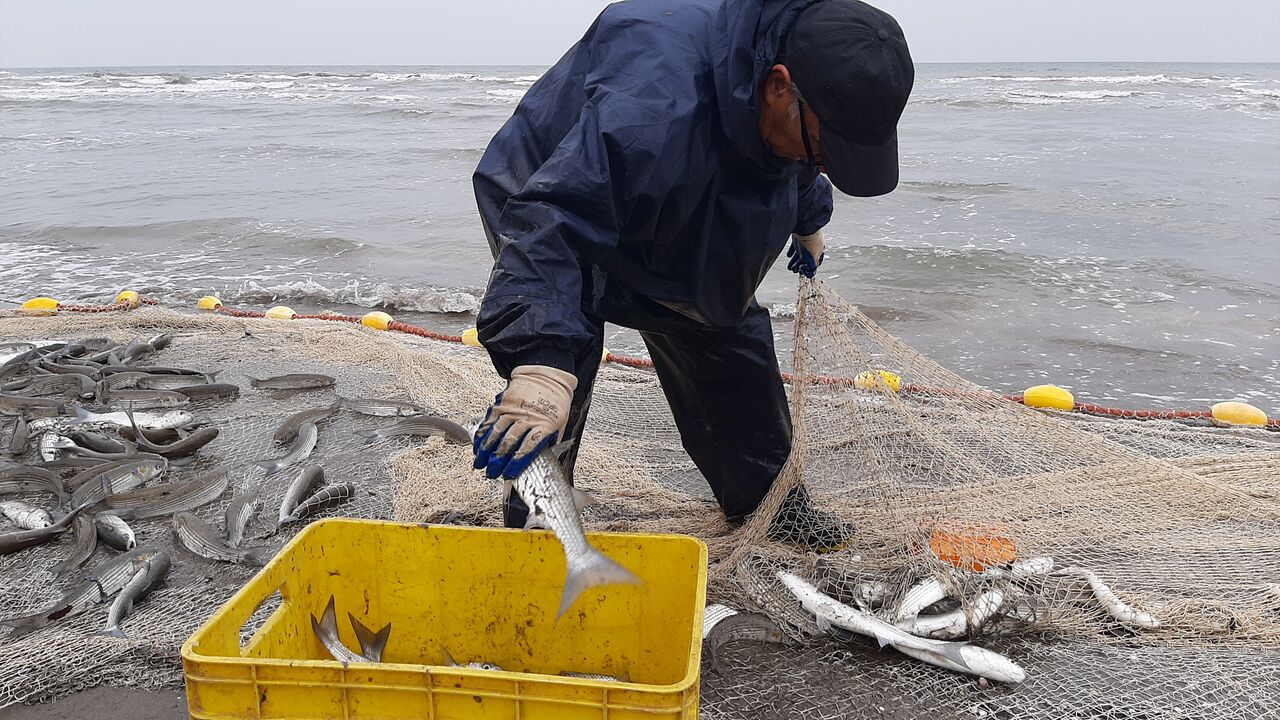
<point>777,82</point>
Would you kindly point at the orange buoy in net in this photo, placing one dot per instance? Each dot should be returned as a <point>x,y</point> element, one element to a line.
<point>973,547</point>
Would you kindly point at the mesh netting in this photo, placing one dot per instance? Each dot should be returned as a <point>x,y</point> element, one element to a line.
<point>1179,521</point>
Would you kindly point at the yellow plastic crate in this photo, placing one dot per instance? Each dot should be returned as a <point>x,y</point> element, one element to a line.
<point>482,594</point>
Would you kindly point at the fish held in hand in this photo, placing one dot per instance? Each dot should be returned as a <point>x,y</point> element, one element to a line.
<point>545,489</point>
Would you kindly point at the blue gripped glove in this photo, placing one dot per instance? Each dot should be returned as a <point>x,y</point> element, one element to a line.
<point>803,251</point>
<point>525,418</point>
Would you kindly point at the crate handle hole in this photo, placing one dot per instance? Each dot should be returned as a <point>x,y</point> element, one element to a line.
<point>258,619</point>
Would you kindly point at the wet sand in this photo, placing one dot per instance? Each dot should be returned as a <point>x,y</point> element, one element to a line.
<point>105,703</point>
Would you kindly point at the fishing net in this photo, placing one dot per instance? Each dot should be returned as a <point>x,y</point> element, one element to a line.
<point>936,477</point>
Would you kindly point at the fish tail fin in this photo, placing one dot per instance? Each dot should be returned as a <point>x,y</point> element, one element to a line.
<point>253,381</point>
<point>370,436</point>
<point>210,377</point>
<point>329,620</point>
<point>592,570</point>
<point>371,644</point>
<point>114,632</point>
<point>448,657</point>
<point>268,465</point>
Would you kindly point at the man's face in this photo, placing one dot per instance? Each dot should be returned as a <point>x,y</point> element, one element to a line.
<point>780,125</point>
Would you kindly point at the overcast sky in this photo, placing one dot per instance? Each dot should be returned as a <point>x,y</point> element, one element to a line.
<point>82,33</point>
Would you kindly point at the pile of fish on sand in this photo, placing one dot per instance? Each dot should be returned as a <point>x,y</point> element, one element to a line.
<point>97,435</point>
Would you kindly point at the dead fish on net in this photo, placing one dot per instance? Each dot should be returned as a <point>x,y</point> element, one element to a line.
<point>16,404</point>
<point>171,383</point>
<point>381,408</point>
<point>96,441</point>
<point>296,381</point>
<point>150,575</point>
<point>920,596</point>
<point>738,627</point>
<point>1114,606</point>
<point>209,391</point>
<point>145,399</point>
<point>420,425</point>
<point>169,498</point>
<point>372,644</point>
<point>86,534</point>
<point>196,536</point>
<point>117,478</point>
<point>171,419</point>
<point>301,450</point>
<point>325,497</point>
<point>288,430</point>
<point>73,384</point>
<point>958,622</point>
<point>25,480</point>
<point>299,489</point>
<point>12,542</point>
<point>25,515</point>
<point>98,585</point>
<point>115,532</point>
<point>188,445</point>
<point>54,446</point>
<point>960,657</point>
<point>238,514</point>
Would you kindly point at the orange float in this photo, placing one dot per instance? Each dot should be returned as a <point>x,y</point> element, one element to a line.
<point>973,547</point>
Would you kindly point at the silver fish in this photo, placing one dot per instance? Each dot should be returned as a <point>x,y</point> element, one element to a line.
<point>86,534</point>
<point>297,381</point>
<point>954,624</point>
<point>115,532</point>
<point>118,477</point>
<point>188,445</point>
<point>920,596</point>
<point>96,441</point>
<point>151,574</point>
<point>24,480</point>
<point>196,536</point>
<point>73,384</point>
<point>372,645</point>
<point>546,491</point>
<point>145,399</point>
<point>173,382</point>
<point>738,627</point>
<point>210,390</point>
<point>421,425</point>
<point>1109,601</point>
<point>594,676</point>
<point>327,496</point>
<point>238,514</point>
<point>169,498</point>
<point>381,408</point>
<point>960,657</point>
<point>99,584</point>
<point>25,515</point>
<point>288,430</point>
<point>15,404</point>
<point>149,420</point>
<point>301,450</point>
<point>308,477</point>
<point>12,542</point>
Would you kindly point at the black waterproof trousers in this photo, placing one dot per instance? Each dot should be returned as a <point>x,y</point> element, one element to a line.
<point>724,389</point>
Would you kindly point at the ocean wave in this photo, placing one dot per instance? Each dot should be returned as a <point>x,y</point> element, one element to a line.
<point>1038,96</point>
<point>1084,79</point>
<point>381,295</point>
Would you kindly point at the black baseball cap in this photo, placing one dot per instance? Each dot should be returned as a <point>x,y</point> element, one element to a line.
<point>851,64</point>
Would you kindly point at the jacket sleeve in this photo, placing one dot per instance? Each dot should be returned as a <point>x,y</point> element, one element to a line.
<point>814,203</point>
<point>621,157</point>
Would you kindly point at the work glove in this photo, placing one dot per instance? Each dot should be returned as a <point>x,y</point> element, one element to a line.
<point>525,418</point>
<point>806,253</point>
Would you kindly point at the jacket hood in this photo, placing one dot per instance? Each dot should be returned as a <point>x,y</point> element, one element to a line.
<point>749,37</point>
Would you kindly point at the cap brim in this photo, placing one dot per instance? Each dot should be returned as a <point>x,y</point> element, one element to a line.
<point>860,170</point>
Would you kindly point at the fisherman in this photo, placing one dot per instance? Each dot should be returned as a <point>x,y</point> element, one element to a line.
<point>650,179</point>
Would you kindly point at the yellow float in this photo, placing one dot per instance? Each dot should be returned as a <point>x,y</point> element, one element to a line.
<point>1048,396</point>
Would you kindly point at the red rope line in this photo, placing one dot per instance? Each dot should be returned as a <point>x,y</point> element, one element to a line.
<point>645,363</point>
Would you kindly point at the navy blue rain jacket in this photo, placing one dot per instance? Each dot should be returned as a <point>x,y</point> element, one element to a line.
<point>635,167</point>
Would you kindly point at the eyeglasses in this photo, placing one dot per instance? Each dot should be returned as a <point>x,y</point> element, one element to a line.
<point>804,135</point>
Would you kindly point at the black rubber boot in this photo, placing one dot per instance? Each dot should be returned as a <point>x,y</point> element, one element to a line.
<point>800,523</point>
